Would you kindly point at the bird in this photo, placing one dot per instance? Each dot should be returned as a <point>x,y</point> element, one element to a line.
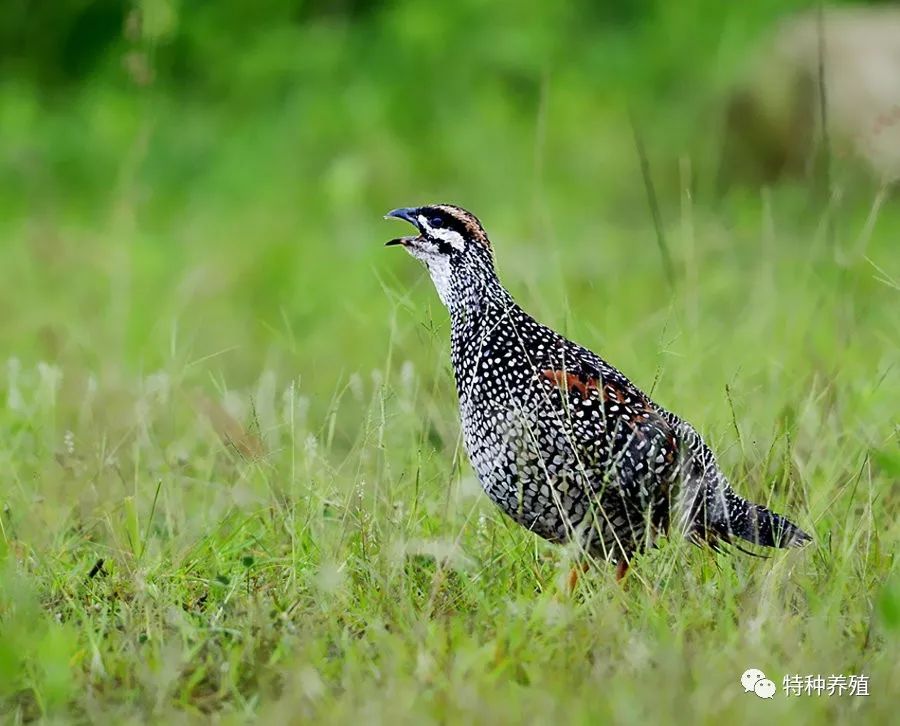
<point>561,441</point>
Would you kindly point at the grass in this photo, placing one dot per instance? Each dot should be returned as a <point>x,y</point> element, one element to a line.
<point>307,542</point>
<point>232,478</point>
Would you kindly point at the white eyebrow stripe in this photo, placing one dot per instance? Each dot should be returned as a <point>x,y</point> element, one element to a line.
<point>450,236</point>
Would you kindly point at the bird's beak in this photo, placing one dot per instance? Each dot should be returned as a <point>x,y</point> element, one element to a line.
<point>409,214</point>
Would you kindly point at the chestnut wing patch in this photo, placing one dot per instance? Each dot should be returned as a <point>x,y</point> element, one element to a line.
<point>584,385</point>
<point>625,406</point>
<point>571,381</point>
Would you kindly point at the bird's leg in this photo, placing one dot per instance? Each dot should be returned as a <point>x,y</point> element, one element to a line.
<point>575,574</point>
<point>572,580</point>
<point>621,569</point>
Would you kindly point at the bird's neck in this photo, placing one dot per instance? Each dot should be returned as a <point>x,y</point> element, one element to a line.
<point>476,295</point>
<point>475,315</point>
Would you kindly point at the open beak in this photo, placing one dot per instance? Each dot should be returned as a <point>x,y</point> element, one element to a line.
<point>411,215</point>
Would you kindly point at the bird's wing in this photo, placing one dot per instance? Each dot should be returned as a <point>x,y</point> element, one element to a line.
<point>630,450</point>
<point>659,453</point>
<point>638,438</point>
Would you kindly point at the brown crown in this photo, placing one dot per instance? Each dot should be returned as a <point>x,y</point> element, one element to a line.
<point>468,222</point>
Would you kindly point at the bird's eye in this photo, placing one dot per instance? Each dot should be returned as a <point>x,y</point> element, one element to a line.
<point>436,222</point>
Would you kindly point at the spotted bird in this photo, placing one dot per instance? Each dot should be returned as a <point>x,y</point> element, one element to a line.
<point>561,440</point>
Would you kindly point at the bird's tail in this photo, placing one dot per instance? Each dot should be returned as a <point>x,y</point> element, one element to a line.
<point>733,516</point>
<point>711,511</point>
<point>721,515</point>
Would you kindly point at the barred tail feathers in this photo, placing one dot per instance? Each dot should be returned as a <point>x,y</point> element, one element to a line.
<point>724,515</point>
<point>710,511</point>
<point>734,516</point>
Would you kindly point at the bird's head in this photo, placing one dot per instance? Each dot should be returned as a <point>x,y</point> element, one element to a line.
<point>452,244</point>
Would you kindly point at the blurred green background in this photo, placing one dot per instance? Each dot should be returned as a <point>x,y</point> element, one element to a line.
<point>222,386</point>
<point>221,168</point>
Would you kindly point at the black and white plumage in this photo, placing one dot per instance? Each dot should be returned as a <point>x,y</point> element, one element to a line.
<point>561,441</point>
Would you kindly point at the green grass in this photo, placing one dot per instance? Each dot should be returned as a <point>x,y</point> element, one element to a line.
<point>289,528</point>
<point>219,384</point>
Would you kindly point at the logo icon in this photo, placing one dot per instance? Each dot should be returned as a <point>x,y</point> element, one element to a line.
<point>765,688</point>
<point>753,679</point>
